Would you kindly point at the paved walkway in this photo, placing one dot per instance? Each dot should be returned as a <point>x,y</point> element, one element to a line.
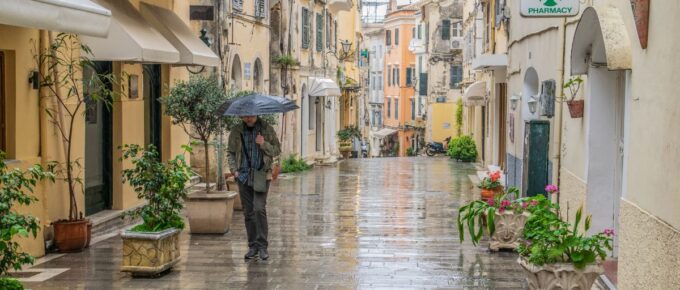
<point>368,224</point>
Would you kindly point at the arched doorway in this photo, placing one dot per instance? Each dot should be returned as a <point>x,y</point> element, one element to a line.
<point>605,61</point>
<point>236,77</point>
<point>536,139</point>
<point>258,77</point>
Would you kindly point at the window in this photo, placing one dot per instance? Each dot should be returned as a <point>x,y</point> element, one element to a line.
<point>396,108</point>
<point>238,5</point>
<point>396,36</point>
<point>305,28</point>
<point>319,32</point>
<point>329,20</point>
<point>312,112</point>
<point>456,76</point>
<point>413,32</point>
<point>389,76</point>
<point>389,107</point>
<point>409,76</point>
<point>388,37</point>
<point>259,8</point>
<point>397,73</point>
<point>446,29</point>
<point>457,29</point>
<point>422,83</point>
<point>335,35</point>
<point>420,63</point>
<point>413,109</point>
<point>420,33</point>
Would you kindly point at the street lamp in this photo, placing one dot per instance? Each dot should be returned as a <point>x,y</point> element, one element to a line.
<point>514,100</point>
<point>532,104</point>
<point>346,45</point>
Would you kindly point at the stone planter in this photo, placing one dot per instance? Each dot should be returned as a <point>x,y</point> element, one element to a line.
<point>560,276</point>
<point>150,254</point>
<point>210,213</point>
<point>232,186</point>
<point>509,227</point>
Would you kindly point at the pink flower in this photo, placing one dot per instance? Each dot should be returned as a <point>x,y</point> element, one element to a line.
<point>524,204</point>
<point>490,202</point>
<point>534,202</point>
<point>505,203</point>
<point>501,210</point>
<point>551,188</point>
<point>608,232</point>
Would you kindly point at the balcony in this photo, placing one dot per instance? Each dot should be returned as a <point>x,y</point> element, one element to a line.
<point>335,6</point>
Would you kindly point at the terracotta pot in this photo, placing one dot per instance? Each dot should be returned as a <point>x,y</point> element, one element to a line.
<point>89,234</point>
<point>575,108</point>
<point>560,276</point>
<point>489,194</point>
<point>71,236</point>
<point>150,254</point>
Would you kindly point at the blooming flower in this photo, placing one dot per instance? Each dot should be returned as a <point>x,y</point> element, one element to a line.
<point>505,203</point>
<point>534,202</point>
<point>490,202</point>
<point>495,176</point>
<point>524,204</point>
<point>551,188</point>
<point>608,232</point>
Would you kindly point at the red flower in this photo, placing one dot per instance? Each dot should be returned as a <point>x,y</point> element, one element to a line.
<point>495,176</point>
<point>524,205</point>
<point>490,202</point>
<point>534,202</point>
<point>505,203</point>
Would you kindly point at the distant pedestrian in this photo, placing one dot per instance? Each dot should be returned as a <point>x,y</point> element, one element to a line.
<point>252,147</point>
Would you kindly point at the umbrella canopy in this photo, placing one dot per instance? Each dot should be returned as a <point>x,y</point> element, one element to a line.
<point>257,104</point>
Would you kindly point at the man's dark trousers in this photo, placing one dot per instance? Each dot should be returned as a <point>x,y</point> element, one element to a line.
<point>255,212</point>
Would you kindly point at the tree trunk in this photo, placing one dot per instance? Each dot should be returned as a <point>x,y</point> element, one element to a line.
<point>207,166</point>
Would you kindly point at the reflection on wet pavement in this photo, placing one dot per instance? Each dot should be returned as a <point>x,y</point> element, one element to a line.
<point>379,223</point>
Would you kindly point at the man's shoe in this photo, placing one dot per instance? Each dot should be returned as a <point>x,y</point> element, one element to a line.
<point>252,253</point>
<point>263,254</point>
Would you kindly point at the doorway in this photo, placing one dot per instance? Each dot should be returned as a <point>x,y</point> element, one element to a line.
<point>319,126</point>
<point>3,146</point>
<point>152,106</point>
<point>98,144</point>
<point>502,125</point>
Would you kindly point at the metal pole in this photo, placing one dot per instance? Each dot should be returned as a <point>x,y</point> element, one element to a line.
<point>220,139</point>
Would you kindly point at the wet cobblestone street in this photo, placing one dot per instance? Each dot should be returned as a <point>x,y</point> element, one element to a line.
<point>368,224</point>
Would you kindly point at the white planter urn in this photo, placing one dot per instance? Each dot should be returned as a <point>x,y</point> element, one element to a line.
<point>509,227</point>
<point>560,276</point>
<point>210,213</point>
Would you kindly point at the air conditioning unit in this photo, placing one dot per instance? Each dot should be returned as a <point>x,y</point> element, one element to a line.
<point>456,44</point>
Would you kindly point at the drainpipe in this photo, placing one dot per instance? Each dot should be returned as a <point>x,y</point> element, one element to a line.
<point>558,115</point>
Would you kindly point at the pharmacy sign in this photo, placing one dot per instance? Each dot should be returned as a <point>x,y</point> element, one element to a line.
<point>549,8</point>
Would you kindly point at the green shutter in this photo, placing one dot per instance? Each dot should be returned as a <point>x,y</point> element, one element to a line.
<point>319,32</point>
<point>396,36</point>
<point>305,28</point>
<point>446,29</point>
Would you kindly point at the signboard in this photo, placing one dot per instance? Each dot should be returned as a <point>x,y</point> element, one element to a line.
<point>247,70</point>
<point>549,8</point>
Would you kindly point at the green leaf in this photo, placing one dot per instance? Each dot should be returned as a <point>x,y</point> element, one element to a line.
<point>578,219</point>
<point>491,220</point>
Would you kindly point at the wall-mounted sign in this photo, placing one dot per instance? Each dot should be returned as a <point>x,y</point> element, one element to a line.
<point>247,70</point>
<point>201,12</point>
<point>549,8</point>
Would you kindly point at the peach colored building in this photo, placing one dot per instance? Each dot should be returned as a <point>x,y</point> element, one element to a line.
<point>399,78</point>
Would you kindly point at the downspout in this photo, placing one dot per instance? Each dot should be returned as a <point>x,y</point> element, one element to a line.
<point>558,143</point>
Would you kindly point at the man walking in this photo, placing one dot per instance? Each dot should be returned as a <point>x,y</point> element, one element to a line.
<point>252,147</point>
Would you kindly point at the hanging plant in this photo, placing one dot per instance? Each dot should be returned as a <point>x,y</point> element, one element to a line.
<point>575,106</point>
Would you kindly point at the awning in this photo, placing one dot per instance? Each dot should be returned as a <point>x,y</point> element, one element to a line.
<point>192,51</point>
<point>130,38</point>
<point>384,133</point>
<point>490,62</point>
<point>600,38</point>
<point>335,6</point>
<point>72,16</point>
<point>475,94</point>
<point>322,87</point>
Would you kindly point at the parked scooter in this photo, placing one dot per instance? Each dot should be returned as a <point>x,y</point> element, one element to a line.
<point>434,148</point>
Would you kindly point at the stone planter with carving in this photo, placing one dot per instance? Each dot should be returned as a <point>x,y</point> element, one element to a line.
<point>509,227</point>
<point>560,276</point>
<point>150,254</point>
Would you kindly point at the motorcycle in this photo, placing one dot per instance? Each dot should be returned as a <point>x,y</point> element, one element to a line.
<point>434,148</point>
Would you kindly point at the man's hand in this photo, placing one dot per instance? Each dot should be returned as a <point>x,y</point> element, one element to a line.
<point>236,174</point>
<point>259,140</point>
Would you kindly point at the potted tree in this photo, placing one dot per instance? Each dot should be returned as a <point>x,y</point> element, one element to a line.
<point>66,92</point>
<point>463,148</point>
<point>556,255</point>
<point>345,143</point>
<point>153,246</point>
<point>503,217</point>
<point>491,186</point>
<point>16,187</point>
<point>195,105</point>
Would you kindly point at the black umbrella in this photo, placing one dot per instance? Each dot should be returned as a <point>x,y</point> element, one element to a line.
<point>257,104</point>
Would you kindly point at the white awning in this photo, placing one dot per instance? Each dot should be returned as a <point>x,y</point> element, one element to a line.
<point>475,94</point>
<point>72,16</point>
<point>384,133</point>
<point>192,51</point>
<point>335,6</point>
<point>601,37</point>
<point>490,62</point>
<point>322,87</point>
<point>131,38</point>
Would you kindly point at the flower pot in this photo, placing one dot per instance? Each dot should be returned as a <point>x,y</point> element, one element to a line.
<point>149,254</point>
<point>575,108</point>
<point>489,194</point>
<point>71,236</point>
<point>509,227</point>
<point>89,234</point>
<point>210,213</point>
<point>560,276</point>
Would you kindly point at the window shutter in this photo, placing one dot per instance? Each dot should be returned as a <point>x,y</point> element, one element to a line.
<point>328,30</point>
<point>398,73</point>
<point>305,28</point>
<point>388,37</point>
<point>389,76</point>
<point>259,8</point>
<point>319,32</point>
<point>420,34</point>
<point>423,84</point>
<point>446,29</point>
<point>396,36</point>
<point>409,76</point>
<point>396,108</point>
<point>238,5</point>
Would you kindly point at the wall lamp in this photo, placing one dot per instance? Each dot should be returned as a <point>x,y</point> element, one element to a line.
<point>33,78</point>
<point>514,100</point>
<point>532,104</point>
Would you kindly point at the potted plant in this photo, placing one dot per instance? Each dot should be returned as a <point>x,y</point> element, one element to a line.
<point>491,186</point>
<point>196,106</point>
<point>153,246</point>
<point>67,93</point>
<point>556,255</point>
<point>575,106</point>
<point>16,187</point>
<point>503,217</point>
<point>463,148</point>
<point>345,136</point>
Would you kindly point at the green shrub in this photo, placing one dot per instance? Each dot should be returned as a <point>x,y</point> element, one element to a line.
<point>10,284</point>
<point>294,164</point>
<point>463,148</point>
<point>459,116</point>
<point>410,152</point>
